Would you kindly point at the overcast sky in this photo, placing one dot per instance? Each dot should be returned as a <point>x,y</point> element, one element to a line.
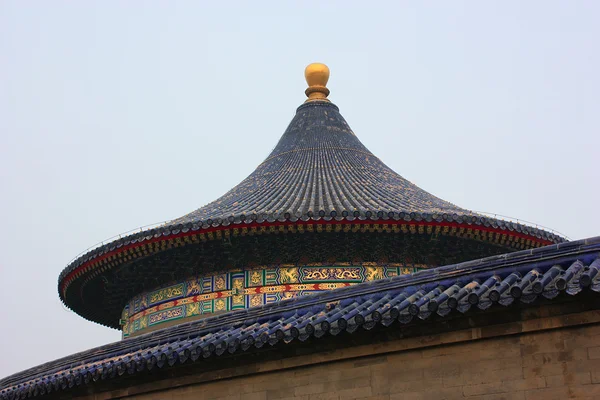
<point>115,115</point>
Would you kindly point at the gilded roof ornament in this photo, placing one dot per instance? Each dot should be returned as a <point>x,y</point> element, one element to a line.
<point>317,75</point>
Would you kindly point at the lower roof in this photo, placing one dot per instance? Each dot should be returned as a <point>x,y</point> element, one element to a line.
<point>566,269</point>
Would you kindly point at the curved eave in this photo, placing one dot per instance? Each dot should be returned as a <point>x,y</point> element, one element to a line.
<point>515,236</point>
<point>523,277</point>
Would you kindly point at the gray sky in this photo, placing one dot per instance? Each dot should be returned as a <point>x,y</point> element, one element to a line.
<point>115,115</point>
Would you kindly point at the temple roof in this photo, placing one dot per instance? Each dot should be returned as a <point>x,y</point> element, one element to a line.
<point>320,167</point>
<point>319,178</point>
<point>551,272</point>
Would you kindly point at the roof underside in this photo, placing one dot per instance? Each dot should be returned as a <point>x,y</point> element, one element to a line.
<point>101,296</point>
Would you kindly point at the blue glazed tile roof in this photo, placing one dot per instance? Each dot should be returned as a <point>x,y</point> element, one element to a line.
<point>318,171</point>
<point>320,165</point>
<point>567,268</point>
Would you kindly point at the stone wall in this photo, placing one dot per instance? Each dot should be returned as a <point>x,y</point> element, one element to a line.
<point>546,363</point>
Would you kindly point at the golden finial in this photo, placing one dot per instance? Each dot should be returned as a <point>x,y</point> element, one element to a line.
<point>317,75</point>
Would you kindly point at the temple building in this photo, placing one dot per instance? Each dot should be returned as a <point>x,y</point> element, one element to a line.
<point>327,275</point>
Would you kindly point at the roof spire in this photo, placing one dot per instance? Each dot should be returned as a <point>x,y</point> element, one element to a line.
<point>317,75</point>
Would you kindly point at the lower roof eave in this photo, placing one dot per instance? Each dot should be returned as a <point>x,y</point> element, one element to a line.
<point>567,269</point>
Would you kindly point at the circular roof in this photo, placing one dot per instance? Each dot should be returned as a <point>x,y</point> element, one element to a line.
<point>318,174</point>
<point>319,167</point>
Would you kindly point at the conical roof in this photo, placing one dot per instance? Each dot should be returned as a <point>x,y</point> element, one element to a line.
<point>320,167</point>
<point>321,197</point>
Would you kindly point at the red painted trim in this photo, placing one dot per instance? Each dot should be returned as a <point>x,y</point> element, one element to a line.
<point>84,266</point>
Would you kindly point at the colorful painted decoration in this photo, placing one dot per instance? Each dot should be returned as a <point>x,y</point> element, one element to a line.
<point>234,290</point>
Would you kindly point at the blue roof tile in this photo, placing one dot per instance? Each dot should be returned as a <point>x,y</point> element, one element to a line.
<point>523,276</point>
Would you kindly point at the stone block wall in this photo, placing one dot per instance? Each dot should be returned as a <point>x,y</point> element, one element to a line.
<point>561,363</point>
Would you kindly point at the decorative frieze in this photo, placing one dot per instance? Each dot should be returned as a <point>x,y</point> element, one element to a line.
<point>245,289</point>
